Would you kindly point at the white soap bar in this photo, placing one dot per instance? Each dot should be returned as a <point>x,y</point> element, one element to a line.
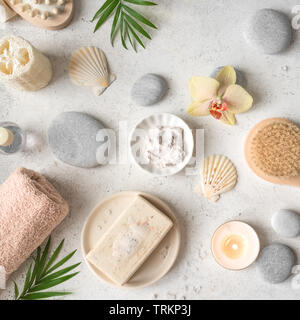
<point>130,240</point>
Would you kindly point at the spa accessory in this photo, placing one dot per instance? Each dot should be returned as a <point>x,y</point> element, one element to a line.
<point>30,208</point>
<point>148,90</point>
<point>272,151</point>
<point>269,31</point>
<point>79,140</point>
<point>130,240</point>
<point>88,67</point>
<point>275,262</point>
<point>126,19</point>
<point>6,13</point>
<point>107,213</point>
<point>286,223</point>
<point>22,66</point>
<point>43,274</point>
<point>240,76</point>
<point>164,147</point>
<point>139,143</point>
<point>12,138</point>
<point>218,175</point>
<point>235,245</point>
<point>220,97</point>
<point>46,14</point>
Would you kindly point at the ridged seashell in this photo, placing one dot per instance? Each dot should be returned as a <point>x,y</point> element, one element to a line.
<point>218,175</point>
<point>88,67</point>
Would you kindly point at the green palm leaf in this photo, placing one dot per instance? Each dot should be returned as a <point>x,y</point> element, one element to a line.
<point>16,291</point>
<point>115,22</point>
<point>42,262</point>
<point>39,276</point>
<point>126,20</point>
<point>54,256</point>
<point>52,283</point>
<point>122,31</point>
<point>61,262</point>
<point>136,26</point>
<point>60,273</point>
<point>139,17</point>
<point>106,14</point>
<point>141,2</point>
<point>44,295</point>
<point>105,5</point>
<point>137,38</point>
<point>129,36</point>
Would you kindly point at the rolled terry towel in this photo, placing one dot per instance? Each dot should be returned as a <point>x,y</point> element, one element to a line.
<point>30,208</point>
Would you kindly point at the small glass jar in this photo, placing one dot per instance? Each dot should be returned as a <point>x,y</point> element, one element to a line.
<point>12,138</point>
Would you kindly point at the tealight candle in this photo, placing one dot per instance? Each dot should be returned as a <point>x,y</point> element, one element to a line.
<point>235,245</point>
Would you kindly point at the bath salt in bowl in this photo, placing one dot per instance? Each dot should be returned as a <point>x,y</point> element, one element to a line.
<point>161,144</point>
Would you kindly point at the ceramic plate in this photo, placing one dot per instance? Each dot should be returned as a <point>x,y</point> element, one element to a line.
<point>140,132</point>
<point>103,216</point>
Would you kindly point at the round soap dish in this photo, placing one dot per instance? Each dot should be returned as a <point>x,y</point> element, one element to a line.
<point>161,259</point>
<point>139,137</point>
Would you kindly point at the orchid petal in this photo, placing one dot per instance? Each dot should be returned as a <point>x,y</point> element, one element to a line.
<point>198,108</point>
<point>202,88</point>
<point>228,118</point>
<point>237,99</point>
<point>226,77</point>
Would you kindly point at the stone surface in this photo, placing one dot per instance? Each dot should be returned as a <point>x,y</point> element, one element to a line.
<point>240,76</point>
<point>275,262</point>
<point>286,223</point>
<point>72,139</point>
<point>148,90</point>
<point>193,38</point>
<point>269,31</point>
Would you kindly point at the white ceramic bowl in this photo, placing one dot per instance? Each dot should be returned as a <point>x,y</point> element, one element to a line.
<point>141,130</point>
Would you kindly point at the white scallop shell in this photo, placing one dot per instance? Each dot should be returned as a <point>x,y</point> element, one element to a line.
<point>88,67</point>
<point>218,175</point>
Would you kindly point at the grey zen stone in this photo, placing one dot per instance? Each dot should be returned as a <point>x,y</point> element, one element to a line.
<point>286,223</point>
<point>148,90</point>
<point>240,76</point>
<point>76,139</point>
<point>269,31</point>
<point>275,262</point>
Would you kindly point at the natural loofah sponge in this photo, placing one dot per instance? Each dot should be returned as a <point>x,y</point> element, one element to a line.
<point>30,208</point>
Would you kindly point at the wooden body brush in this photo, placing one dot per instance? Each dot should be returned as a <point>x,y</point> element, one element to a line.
<point>272,151</point>
<point>47,14</point>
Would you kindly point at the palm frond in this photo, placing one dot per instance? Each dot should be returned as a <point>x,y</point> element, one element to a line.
<point>41,276</point>
<point>127,21</point>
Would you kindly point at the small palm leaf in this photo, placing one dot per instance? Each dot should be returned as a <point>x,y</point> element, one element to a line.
<point>39,276</point>
<point>54,256</point>
<point>44,295</point>
<point>16,291</point>
<point>126,19</point>
<point>141,2</point>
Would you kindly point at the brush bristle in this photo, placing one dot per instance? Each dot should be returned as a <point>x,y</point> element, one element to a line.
<point>276,149</point>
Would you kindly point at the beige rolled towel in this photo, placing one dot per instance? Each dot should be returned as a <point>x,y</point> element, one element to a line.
<point>30,208</point>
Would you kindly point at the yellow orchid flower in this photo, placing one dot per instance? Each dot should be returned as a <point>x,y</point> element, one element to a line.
<point>221,97</point>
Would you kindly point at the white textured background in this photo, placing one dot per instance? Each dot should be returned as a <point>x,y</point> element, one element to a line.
<point>194,36</point>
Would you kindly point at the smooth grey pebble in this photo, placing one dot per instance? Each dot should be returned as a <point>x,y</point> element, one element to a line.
<point>72,139</point>
<point>286,223</point>
<point>275,262</point>
<point>240,76</point>
<point>269,31</point>
<point>148,90</point>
